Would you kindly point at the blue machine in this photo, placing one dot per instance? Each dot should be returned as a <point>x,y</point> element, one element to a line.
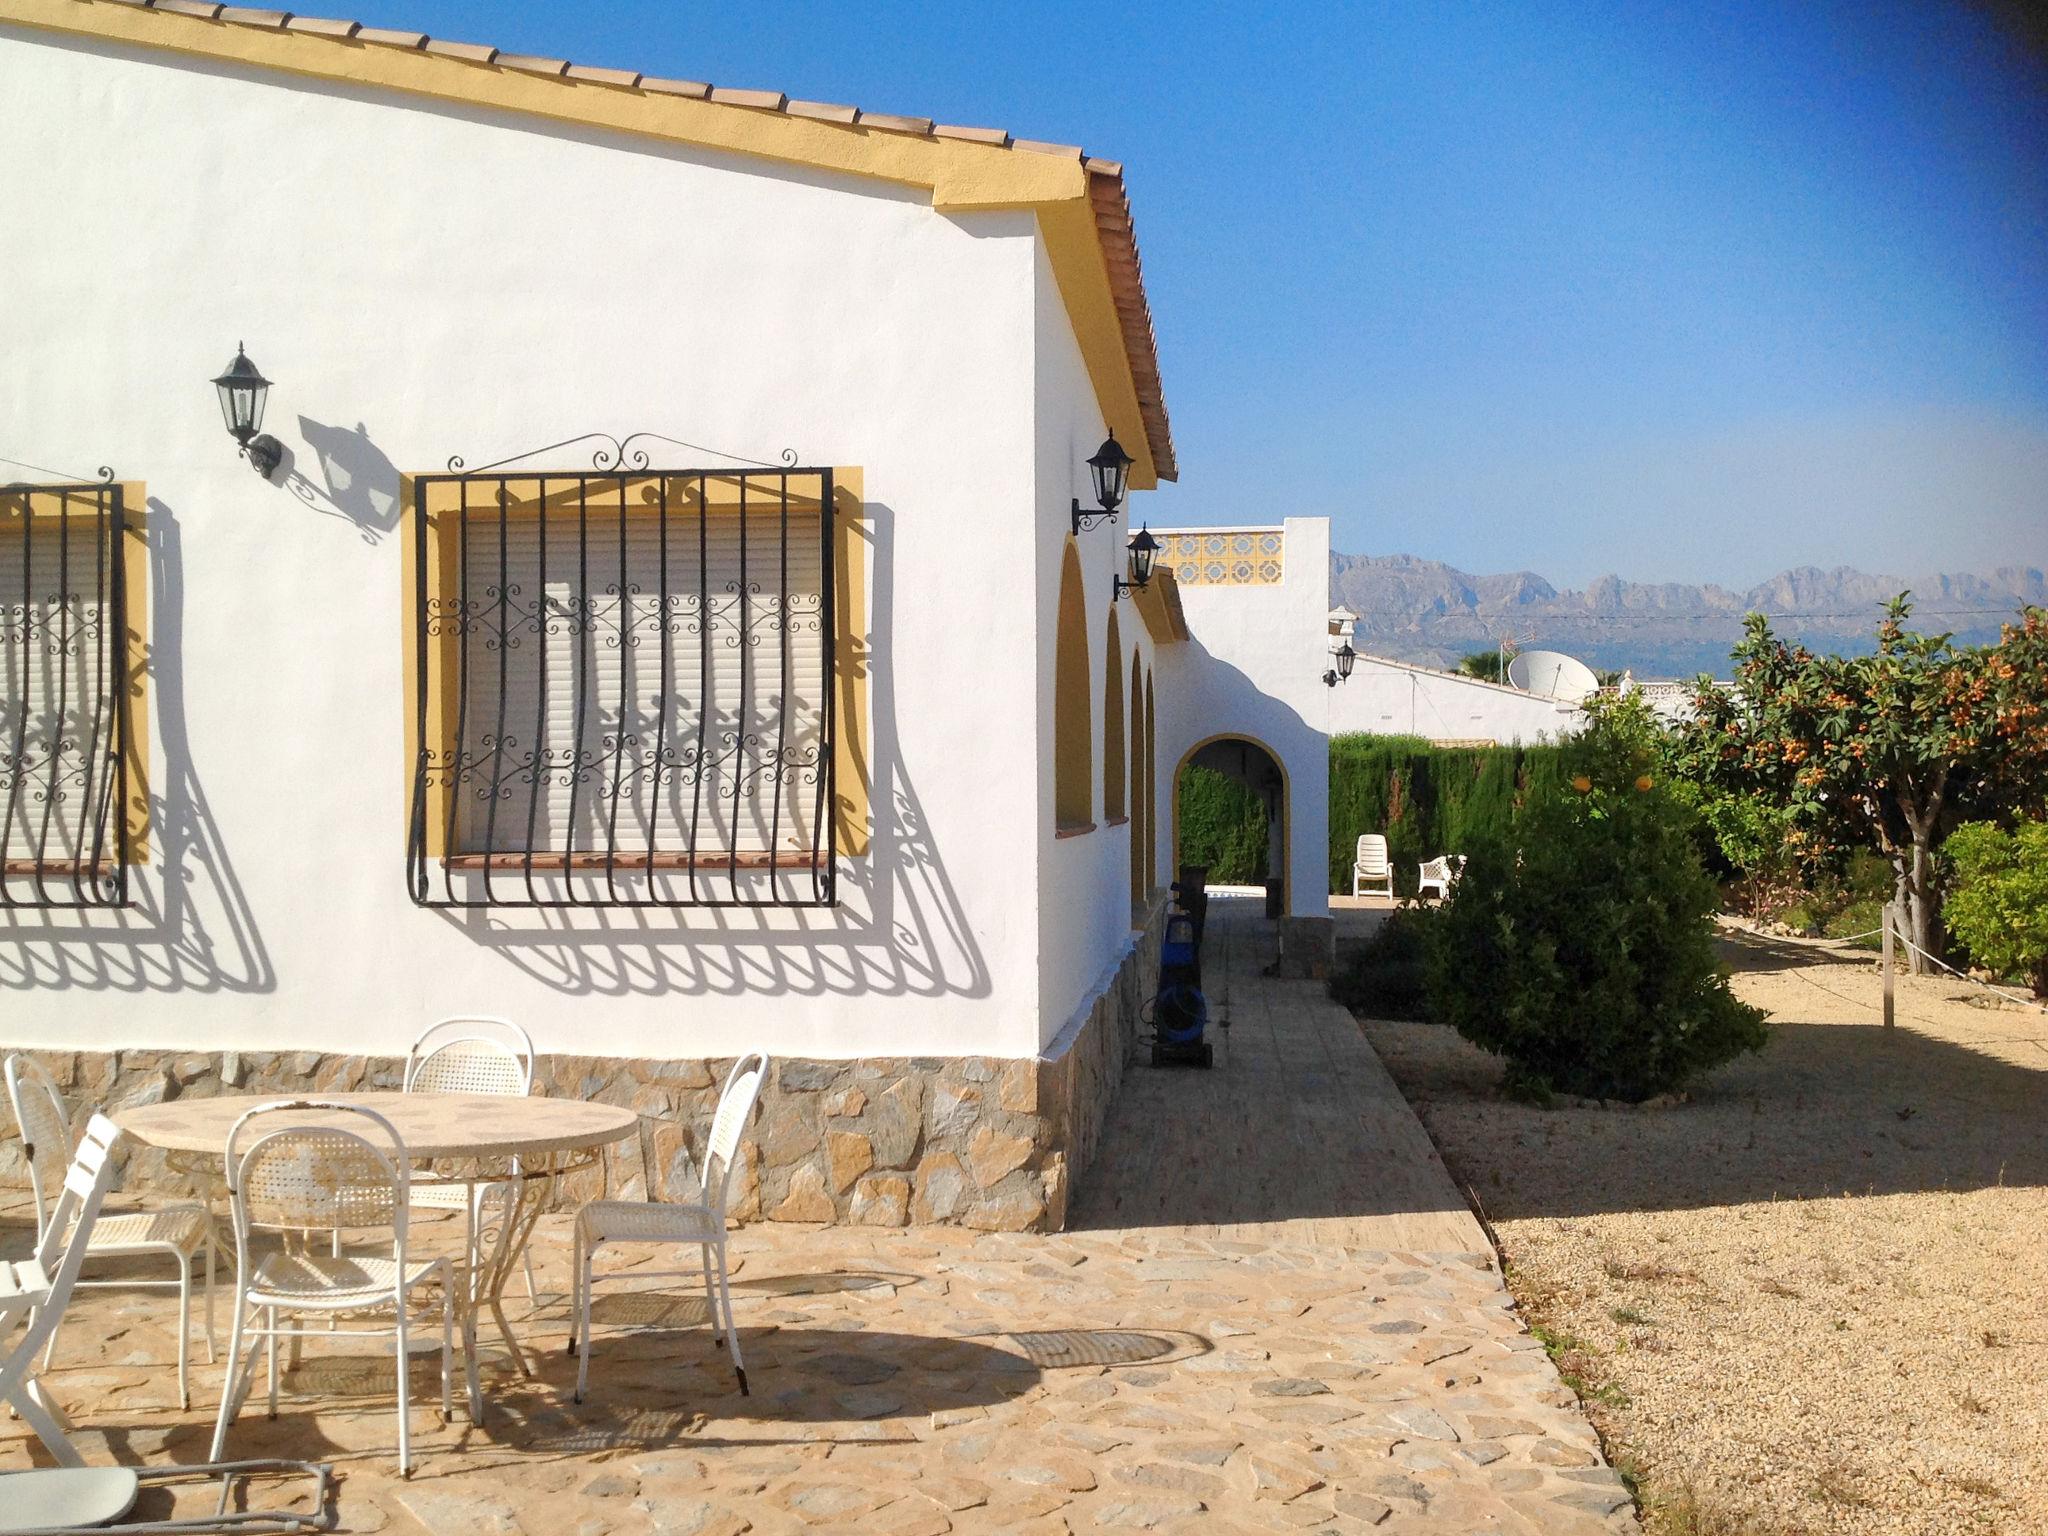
<point>1178,1013</point>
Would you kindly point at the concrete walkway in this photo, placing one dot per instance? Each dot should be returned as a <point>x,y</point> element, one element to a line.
<point>1296,1135</point>
<point>1277,1316</point>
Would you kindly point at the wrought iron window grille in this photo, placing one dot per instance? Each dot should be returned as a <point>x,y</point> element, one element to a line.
<point>624,682</point>
<point>65,674</point>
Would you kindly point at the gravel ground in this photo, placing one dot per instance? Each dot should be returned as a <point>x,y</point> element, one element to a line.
<point>1814,1298</point>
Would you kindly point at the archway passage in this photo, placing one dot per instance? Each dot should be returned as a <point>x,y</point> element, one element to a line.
<point>1230,812</point>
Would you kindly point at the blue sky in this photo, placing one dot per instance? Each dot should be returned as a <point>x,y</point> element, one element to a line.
<point>1687,292</point>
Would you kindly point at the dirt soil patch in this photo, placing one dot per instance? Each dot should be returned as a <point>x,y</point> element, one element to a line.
<point>1814,1298</point>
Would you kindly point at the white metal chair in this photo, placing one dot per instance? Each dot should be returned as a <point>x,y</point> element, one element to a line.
<point>1440,874</point>
<point>302,1172</point>
<point>1372,866</point>
<point>180,1233</point>
<point>476,1053</point>
<point>39,1288</point>
<point>703,1223</point>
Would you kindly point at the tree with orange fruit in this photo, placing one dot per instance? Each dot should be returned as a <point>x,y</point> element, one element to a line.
<point>1892,750</point>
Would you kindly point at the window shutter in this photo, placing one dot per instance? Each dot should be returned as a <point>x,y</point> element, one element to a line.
<point>638,680</point>
<point>57,686</point>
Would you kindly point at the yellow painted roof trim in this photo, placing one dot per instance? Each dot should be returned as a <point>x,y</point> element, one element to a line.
<point>962,174</point>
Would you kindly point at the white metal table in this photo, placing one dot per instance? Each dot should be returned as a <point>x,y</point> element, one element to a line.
<point>521,1144</point>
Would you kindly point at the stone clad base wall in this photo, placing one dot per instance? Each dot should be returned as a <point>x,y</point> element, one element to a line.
<point>979,1141</point>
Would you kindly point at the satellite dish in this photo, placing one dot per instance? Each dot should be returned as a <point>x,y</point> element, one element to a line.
<point>1553,675</point>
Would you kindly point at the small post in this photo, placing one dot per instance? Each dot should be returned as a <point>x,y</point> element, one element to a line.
<point>1887,922</point>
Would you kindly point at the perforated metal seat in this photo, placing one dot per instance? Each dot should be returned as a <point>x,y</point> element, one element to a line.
<point>307,1282</point>
<point>643,1221</point>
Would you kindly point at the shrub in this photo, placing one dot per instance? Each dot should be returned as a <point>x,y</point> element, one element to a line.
<point>1581,948</point>
<point>1388,977</point>
<point>1998,898</point>
<point>1223,826</point>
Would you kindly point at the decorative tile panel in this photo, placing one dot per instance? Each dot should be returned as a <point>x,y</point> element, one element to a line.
<point>1224,557</point>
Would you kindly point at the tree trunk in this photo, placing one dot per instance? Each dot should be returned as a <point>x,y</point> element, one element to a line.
<point>1923,907</point>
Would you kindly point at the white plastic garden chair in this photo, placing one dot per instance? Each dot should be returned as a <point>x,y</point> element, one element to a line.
<point>703,1223</point>
<point>471,1054</point>
<point>302,1172</point>
<point>179,1233</point>
<point>1440,874</point>
<point>39,1288</point>
<point>1372,866</point>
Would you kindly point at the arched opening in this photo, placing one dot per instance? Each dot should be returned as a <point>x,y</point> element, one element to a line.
<point>1113,721</point>
<point>1230,803</point>
<point>1141,800</point>
<point>1151,791</point>
<point>1073,770</point>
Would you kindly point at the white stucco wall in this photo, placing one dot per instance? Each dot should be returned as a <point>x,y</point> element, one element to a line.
<point>1085,921</point>
<point>422,280</point>
<point>1391,698</point>
<point>1253,668</point>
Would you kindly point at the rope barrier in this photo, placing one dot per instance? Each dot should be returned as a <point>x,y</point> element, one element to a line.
<point>2024,1002</point>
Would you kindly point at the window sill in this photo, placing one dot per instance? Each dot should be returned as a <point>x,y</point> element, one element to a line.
<point>1067,829</point>
<point>628,862</point>
<point>56,869</point>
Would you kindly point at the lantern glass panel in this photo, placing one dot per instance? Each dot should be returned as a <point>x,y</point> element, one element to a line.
<point>1109,468</point>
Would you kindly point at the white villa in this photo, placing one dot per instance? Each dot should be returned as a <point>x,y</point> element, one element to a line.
<point>649,606</point>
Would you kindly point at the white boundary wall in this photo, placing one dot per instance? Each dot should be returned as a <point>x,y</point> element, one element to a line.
<point>1393,698</point>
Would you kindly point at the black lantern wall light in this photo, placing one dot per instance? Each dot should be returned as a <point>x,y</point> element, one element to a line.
<point>1143,549</point>
<point>243,390</point>
<point>1343,656</point>
<point>1109,469</point>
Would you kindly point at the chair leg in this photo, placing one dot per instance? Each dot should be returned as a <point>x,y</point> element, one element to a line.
<point>238,1370</point>
<point>447,1350</point>
<point>404,1388</point>
<point>270,1319</point>
<point>575,1288</point>
<point>212,1256</point>
<point>585,1277</point>
<point>732,1332</point>
<point>184,1331</point>
<point>711,1297</point>
<point>43,1417</point>
<point>476,1391</point>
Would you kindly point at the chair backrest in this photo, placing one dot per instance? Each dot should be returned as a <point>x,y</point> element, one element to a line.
<point>60,1249</point>
<point>292,1167</point>
<point>44,1120</point>
<point>1372,855</point>
<point>475,1054</point>
<point>735,1104</point>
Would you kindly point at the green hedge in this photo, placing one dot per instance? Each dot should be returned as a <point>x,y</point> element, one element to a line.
<point>1222,825</point>
<point>1427,800</point>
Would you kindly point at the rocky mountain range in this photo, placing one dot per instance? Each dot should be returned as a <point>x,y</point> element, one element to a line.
<point>1426,611</point>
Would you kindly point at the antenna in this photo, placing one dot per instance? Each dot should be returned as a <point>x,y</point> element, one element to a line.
<point>1553,675</point>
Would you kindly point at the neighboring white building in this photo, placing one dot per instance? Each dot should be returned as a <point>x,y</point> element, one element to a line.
<point>1398,698</point>
<point>363,756</point>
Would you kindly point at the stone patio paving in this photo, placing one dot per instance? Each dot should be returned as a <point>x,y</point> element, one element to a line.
<point>1274,1313</point>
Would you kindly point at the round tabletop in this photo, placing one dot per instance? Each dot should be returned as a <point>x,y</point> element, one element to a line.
<point>439,1125</point>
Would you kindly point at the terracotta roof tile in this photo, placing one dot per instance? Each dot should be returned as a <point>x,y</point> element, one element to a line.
<point>391,37</point>
<point>895,123</point>
<point>598,76</point>
<point>733,96</point>
<point>823,111</point>
<point>971,135</point>
<point>661,87</point>
<point>189,8</point>
<point>321,26</point>
<point>249,16</point>
<point>1040,147</point>
<point>474,53</point>
<point>531,64</point>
